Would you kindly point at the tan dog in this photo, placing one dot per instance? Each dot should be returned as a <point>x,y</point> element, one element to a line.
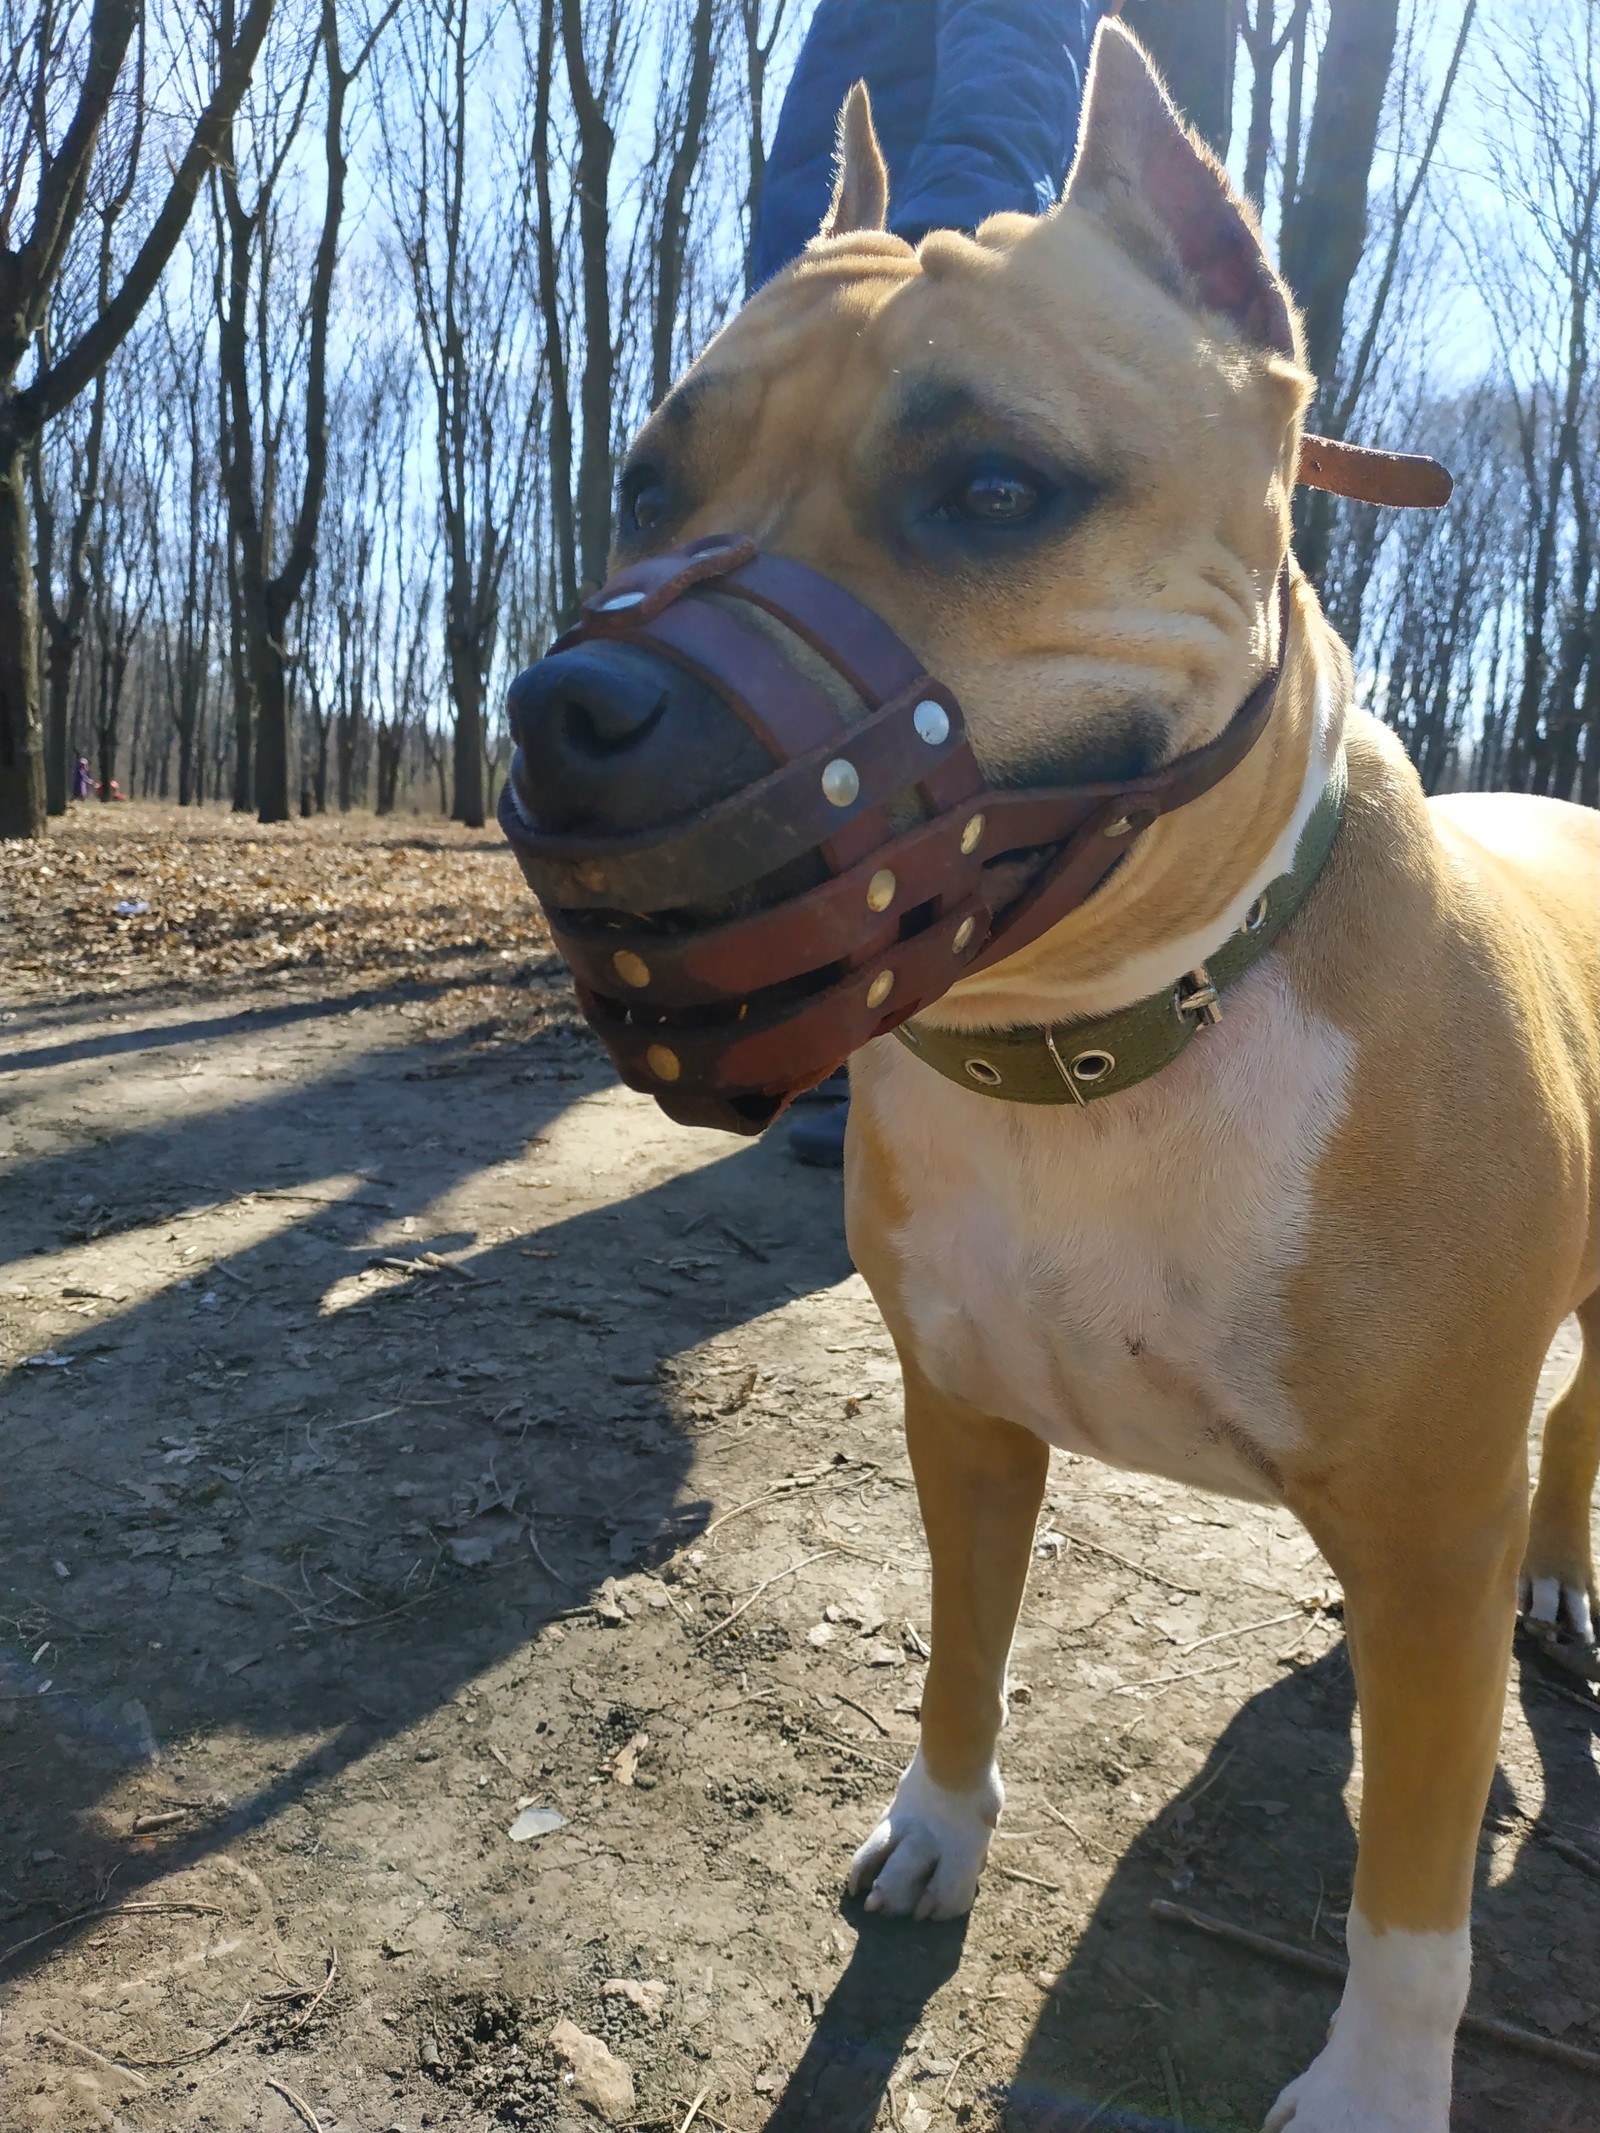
<point>1319,1258</point>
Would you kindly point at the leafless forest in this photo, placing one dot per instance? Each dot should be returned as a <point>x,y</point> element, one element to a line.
<point>322,321</point>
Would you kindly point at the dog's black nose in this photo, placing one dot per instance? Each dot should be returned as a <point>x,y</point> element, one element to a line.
<point>612,738</point>
<point>592,702</point>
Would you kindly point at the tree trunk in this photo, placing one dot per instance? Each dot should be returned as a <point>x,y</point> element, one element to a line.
<point>675,203</point>
<point>466,687</point>
<point>22,797</point>
<point>1191,42</point>
<point>596,142</point>
<point>1323,237</point>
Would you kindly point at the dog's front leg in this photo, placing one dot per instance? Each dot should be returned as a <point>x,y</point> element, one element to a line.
<point>1430,1594</point>
<point>980,1483</point>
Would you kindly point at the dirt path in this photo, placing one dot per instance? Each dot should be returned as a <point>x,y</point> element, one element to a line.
<point>404,1427</point>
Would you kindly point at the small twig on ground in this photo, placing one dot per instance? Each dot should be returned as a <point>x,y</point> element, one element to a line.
<point>961,2060</point>
<point>750,1599</point>
<point>1169,2076</point>
<point>1329,1966</point>
<point>544,1563</point>
<point>1067,1822</point>
<point>853,1747</point>
<point>200,2051</point>
<point>1245,1629</point>
<point>751,1251</point>
<point>1013,1873</point>
<point>1172,1681</point>
<point>693,2110</point>
<point>63,2042</point>
<point>305,2014</point>
<point>870,1716</point>
<point>106,1910</point>
<point>1574,1854</point>
<point>1101,2109</point>
<point>302,2110</point>
<point>1140,1570</point>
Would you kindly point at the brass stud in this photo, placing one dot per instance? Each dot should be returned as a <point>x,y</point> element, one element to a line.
<point>971,834</point>
<point>632,969</point>
<point>932,722</point>
<point>964,932</point>
<point>880,988</point>
<point>980,1071</point>
<point>841,781</point>
<point>663,1062</point>
<point>880,890</point>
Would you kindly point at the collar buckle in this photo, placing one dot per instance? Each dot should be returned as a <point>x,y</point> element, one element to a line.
<point>1196,995</point>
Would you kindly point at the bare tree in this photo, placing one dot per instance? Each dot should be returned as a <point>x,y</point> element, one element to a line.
<point>460,238</point>
<point>758,51</point>
<point>60,75</point>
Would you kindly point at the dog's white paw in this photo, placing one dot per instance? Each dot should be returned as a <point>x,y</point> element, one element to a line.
<point>1387,2064</point>
<point>1549,1604</point>
<point>924,1858</point>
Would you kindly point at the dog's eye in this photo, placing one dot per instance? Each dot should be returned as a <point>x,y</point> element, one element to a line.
<point>645,496</point>
<point>993,497</point>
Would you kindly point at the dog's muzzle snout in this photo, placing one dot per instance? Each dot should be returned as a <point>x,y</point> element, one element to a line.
<point>747,886</point>
<point>614,737</point>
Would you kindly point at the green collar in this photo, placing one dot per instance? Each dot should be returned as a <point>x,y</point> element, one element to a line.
<point>1073,1062</point>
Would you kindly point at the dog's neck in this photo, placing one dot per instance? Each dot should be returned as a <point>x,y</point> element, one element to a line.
<point>1194,875</point>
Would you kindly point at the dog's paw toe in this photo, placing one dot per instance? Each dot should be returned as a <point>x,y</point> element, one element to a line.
<point>1553,1604</point>
<point>924,1858</point>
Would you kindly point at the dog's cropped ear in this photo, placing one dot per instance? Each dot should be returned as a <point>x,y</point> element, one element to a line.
<point>1167,199</point>
<point>861,177</point>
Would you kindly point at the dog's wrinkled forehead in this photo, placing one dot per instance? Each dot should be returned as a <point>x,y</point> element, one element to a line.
<point>1018,444</point>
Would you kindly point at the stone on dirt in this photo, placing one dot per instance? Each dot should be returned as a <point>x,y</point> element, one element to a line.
<point>600,2080</point>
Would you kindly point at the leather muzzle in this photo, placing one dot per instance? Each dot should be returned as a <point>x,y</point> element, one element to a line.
<point>723,1022</point>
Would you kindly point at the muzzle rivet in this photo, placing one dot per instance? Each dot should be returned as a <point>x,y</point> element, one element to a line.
<point>880,988</point>
<point>618,601</point>
<point>932,722</point>
<point>663,1062</point>
<point>631,968</point>
<point>880,890</point>
<point>964,933</point>
<point>971,835</point>
<point>841,782</point>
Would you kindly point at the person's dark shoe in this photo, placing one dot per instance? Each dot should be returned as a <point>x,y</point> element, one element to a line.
<point>817,1133</point>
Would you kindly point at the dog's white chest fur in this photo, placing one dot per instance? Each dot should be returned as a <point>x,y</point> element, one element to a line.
<point>1113,1277</point>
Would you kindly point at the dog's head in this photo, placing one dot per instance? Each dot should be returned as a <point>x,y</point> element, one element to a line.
<point>1056,457</point>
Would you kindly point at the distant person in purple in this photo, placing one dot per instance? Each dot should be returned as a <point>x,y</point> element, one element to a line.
<point>976,106</point>
<point>82,782</point>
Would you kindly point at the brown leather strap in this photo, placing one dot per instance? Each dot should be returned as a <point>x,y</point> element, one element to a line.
<point>1407,479</point>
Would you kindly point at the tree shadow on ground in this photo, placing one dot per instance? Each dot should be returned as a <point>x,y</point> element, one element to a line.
<point>1262,1838</point>
<point>216,1608</point>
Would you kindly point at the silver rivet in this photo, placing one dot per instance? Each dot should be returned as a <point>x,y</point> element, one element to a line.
<point>880,988</point>
<point>980,1071</point>
<point>663,1063</point>
<point>618,601</point>
<point>971,834</point>
<point>1092,1066</point>
<point>841,782</point>
<point>880,890</point>
<point>964,932</point>
<point>932,722</point>
<point>1256,917</point>
<point>632,969</point>
<point>1125,825</point>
